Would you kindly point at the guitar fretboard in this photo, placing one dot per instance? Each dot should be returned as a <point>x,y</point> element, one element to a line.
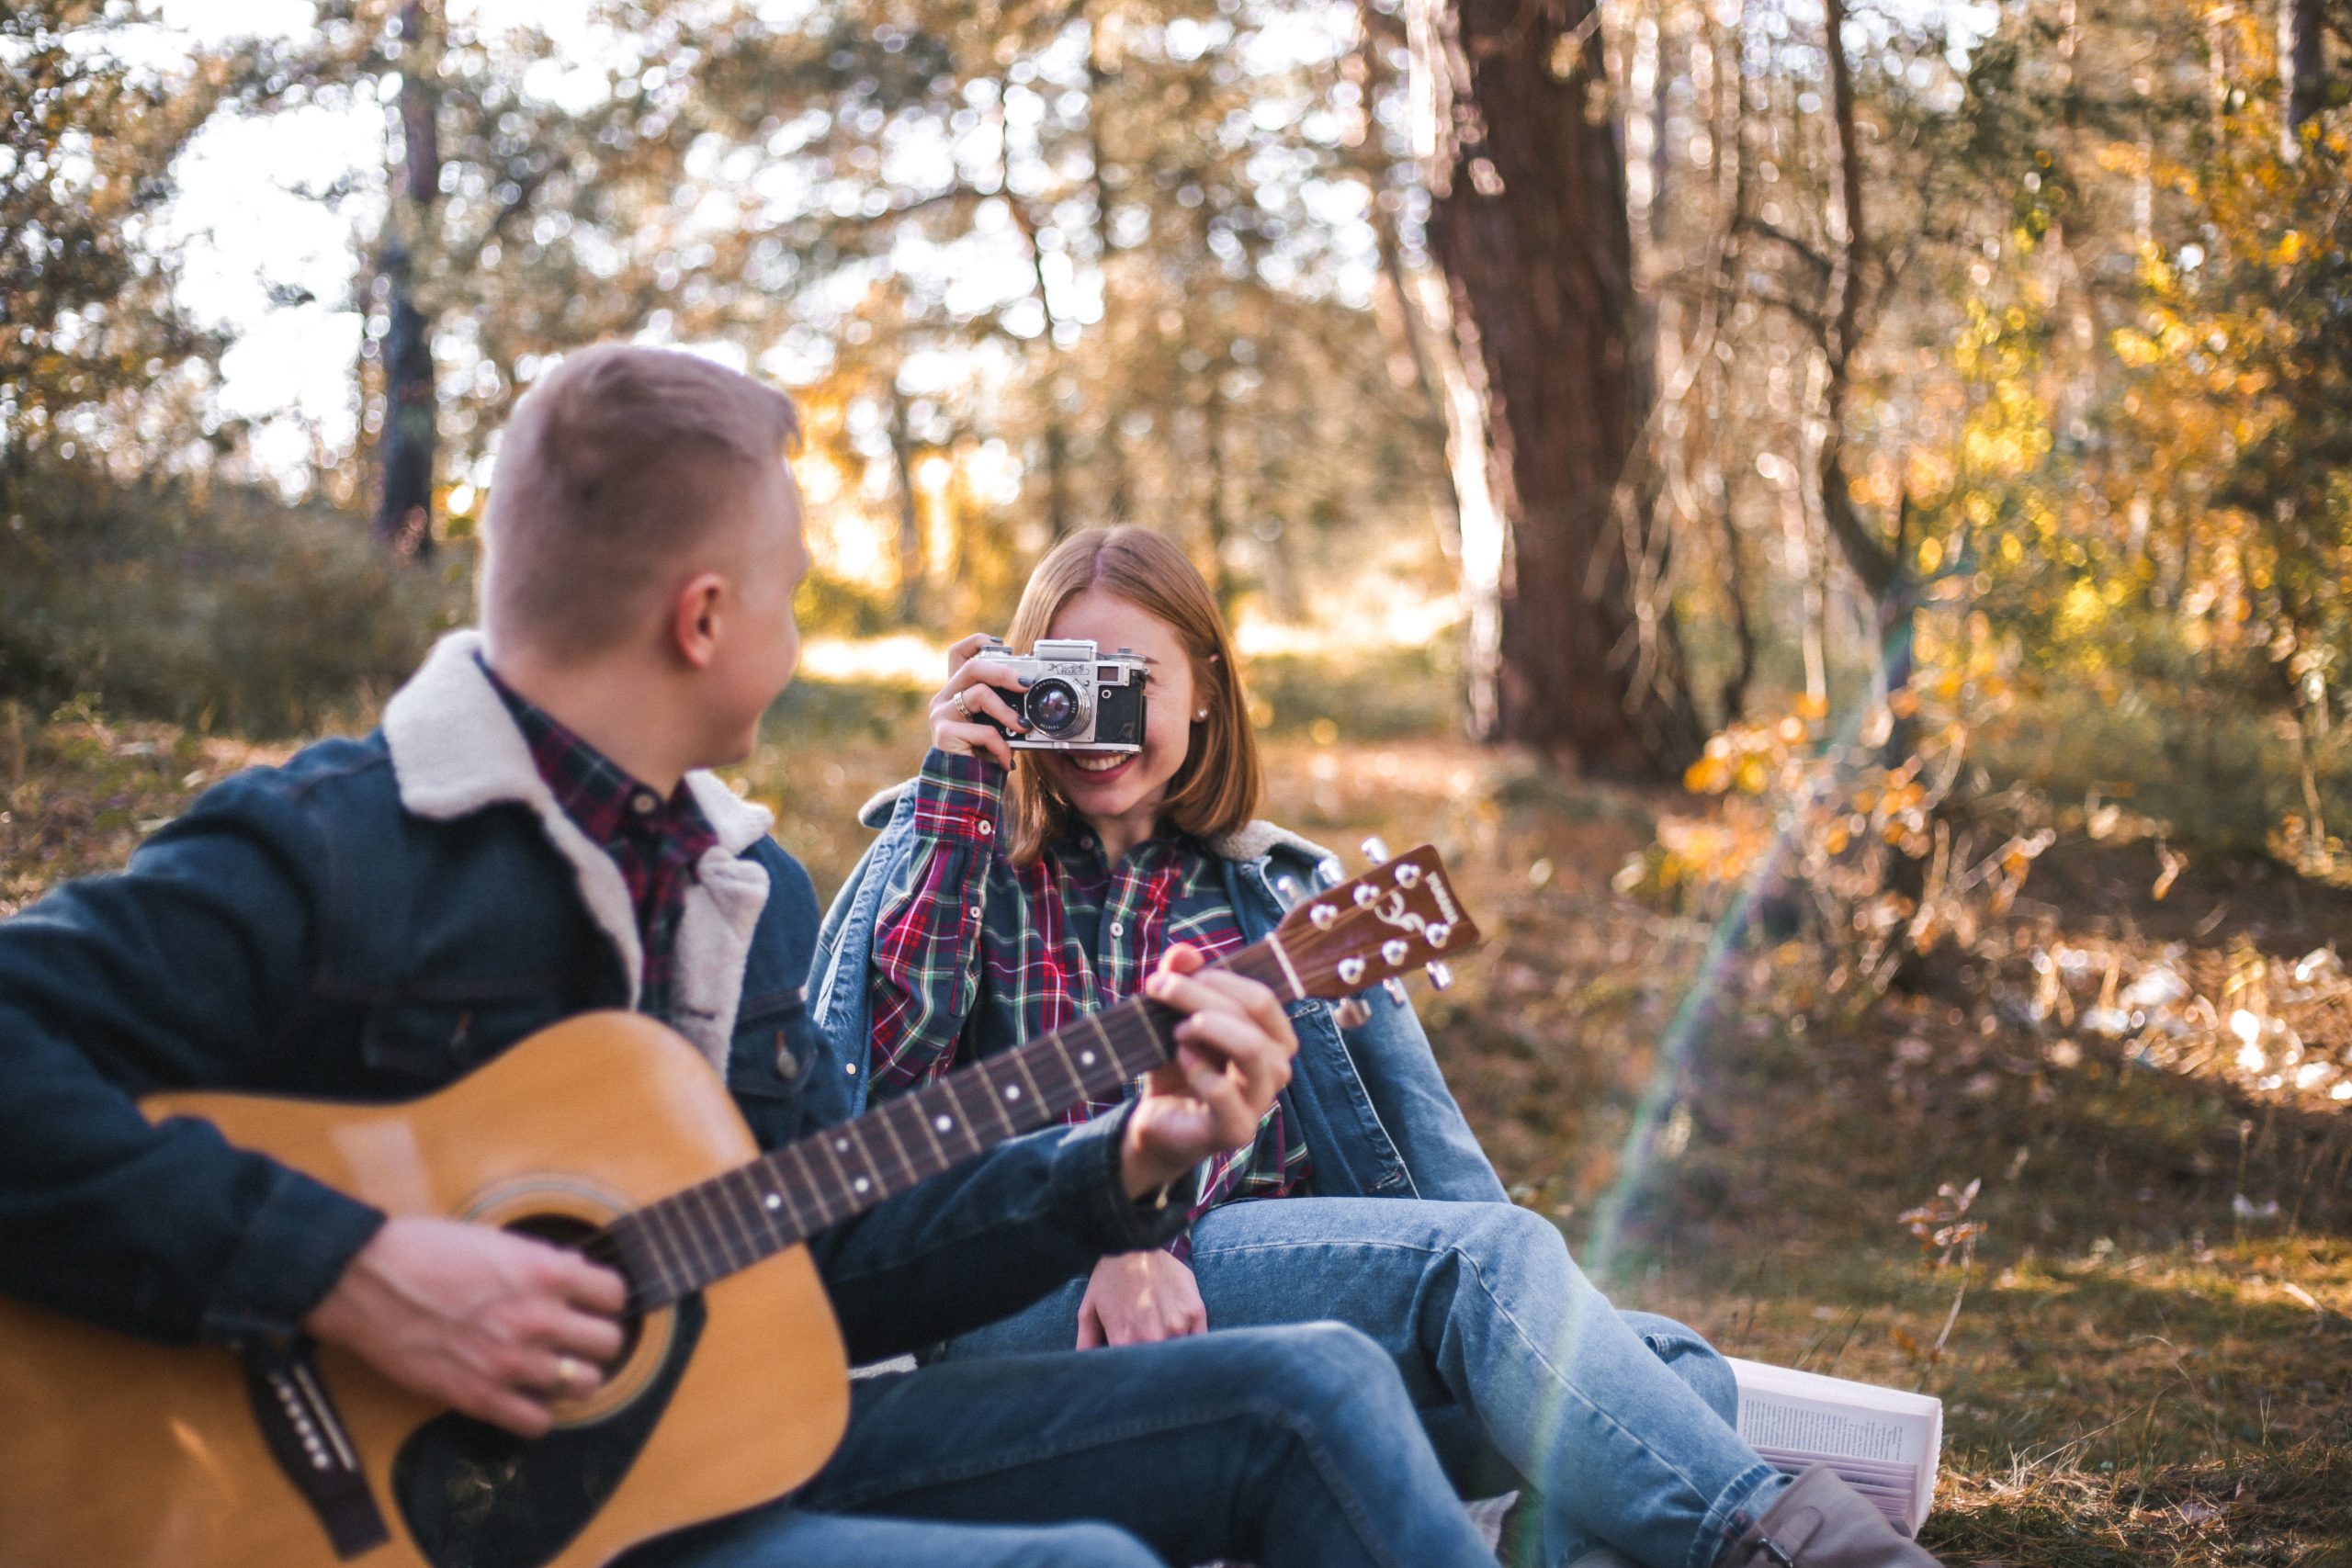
<point>682,1243</point>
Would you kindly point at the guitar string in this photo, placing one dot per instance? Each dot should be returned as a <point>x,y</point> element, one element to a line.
<point>701,1245</point>
<point>702,1250</point>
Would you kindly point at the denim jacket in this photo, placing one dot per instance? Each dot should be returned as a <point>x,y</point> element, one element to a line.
<point>368,922</point>
<point>1378,1118</point>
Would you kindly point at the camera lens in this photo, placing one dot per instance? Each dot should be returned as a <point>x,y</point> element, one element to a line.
<point>1052,707</point>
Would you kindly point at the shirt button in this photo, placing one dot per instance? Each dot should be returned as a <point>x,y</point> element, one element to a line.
<point>1117,929</point>
<point>642,802</point>
<point>986,827</point>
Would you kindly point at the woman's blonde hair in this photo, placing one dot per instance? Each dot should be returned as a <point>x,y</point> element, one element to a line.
<point>1215,790</point>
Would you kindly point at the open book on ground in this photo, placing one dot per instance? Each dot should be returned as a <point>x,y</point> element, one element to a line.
<point>1882,1441</point>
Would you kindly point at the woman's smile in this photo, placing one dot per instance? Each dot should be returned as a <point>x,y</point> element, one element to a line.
<point>1087,777</point>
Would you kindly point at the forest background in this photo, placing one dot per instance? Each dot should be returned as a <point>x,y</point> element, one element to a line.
<point>1837,514</point>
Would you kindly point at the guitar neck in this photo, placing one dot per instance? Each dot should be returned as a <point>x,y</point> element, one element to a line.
<point>671,1248</point>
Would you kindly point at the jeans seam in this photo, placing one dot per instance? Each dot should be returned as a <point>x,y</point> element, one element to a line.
<point>848,1500</point>
<point>1711,1542</point>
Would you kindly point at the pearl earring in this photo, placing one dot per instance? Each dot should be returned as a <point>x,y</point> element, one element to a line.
<point>1200,716</point>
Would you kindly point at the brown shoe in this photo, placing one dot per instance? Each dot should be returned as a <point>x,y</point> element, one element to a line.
<point>1821,1522</point>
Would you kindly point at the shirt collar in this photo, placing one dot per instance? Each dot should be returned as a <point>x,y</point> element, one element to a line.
<point>598,794</point>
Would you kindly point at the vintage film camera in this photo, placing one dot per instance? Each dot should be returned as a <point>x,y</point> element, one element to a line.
<point>1078,698</point>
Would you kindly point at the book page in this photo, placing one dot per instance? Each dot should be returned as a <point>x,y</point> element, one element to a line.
<point>1883,1442</point>
<point>1806,1426</point>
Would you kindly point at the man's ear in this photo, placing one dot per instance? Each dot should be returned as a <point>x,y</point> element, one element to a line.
<point>697,617</point>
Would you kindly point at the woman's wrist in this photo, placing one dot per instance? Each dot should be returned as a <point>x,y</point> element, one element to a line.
<point>959,796</point>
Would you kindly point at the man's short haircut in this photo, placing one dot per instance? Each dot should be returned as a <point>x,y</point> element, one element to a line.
<point>614,468</point>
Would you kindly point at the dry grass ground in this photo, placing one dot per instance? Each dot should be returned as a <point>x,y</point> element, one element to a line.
<point>2144,1363</point>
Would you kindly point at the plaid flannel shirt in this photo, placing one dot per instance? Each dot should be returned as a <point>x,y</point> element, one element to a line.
<point>656,843</point>
<point>979,954</point>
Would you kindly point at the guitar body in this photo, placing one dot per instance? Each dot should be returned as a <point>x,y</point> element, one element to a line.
<point>117,1453</point>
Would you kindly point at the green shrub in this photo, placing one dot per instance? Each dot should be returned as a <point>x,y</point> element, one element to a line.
<point>1385,692</point>
<point>221,607</point>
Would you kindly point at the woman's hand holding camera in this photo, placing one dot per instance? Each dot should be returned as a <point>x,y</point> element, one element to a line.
<point>972,690</point>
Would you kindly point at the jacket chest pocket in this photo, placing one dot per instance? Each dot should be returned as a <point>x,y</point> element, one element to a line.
<point>770,1062</point>
<point>437,1038</point>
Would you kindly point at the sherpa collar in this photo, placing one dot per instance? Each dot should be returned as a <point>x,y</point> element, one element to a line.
<point>456,750</point>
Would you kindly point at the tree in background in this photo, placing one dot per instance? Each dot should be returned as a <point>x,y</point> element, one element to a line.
<point>88,323</point>
<point>1577,654</point>
<point>411,434</point>
<point>1101,253</point>
<point>99,365</point>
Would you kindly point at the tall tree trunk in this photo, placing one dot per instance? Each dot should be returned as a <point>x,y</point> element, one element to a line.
<point>1120,503</point>
<point>2303,68</point>
<point>1060,521</point>
<point>1881,566</point>
<point>902,468</point>
<point>1218,523</point>
<point>405,509</point>
<point>1528,221</point>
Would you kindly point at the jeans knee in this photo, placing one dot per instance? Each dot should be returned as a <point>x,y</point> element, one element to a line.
<point>1318,1366</point>
<point>1087,1545</point>
<point>1508,1239</point>
<point>1688,1357</point>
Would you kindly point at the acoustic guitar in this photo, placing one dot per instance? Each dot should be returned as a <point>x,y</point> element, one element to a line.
<point>610,1133</point>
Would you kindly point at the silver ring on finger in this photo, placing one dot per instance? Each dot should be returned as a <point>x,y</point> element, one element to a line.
<point>963,708</point>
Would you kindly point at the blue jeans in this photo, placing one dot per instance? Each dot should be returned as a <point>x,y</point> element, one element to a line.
<point>1623,1428</point>
<point>1290,1448</point>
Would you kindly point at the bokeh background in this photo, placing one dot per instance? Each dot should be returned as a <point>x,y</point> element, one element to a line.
<point>1834,514</point>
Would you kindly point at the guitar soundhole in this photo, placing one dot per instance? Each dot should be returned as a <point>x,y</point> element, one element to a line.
<point>575,1235</point>
<point>474,1496</point>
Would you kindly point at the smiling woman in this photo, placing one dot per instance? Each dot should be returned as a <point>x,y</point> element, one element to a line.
<point>991,912</point>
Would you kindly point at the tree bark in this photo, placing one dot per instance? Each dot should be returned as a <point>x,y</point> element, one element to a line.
<point>411,437</point>
<point>902,467</point>
<point>1528,222</point>
<point>1879,565</point>
<point>1218,523</point>
<point>2303,69</point>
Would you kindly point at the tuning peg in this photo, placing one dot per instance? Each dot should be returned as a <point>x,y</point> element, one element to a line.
<point>1329,873</point>
<point>1393,951</point>
<point>1350,971</point>
<point>1441,975</point>
<point>1396,992</point>
<point>1375,849</point>
<point>1353,1014</point>
<point>1409,876</point>
<point>1286,889</point>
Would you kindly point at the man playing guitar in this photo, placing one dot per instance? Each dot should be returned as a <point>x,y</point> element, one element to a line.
<point>528,836</point>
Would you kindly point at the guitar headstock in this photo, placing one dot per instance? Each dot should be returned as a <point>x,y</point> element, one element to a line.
<point>1376,927</point>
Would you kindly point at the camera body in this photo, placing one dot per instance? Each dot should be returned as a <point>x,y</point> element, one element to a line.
<point>1076,698</point>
